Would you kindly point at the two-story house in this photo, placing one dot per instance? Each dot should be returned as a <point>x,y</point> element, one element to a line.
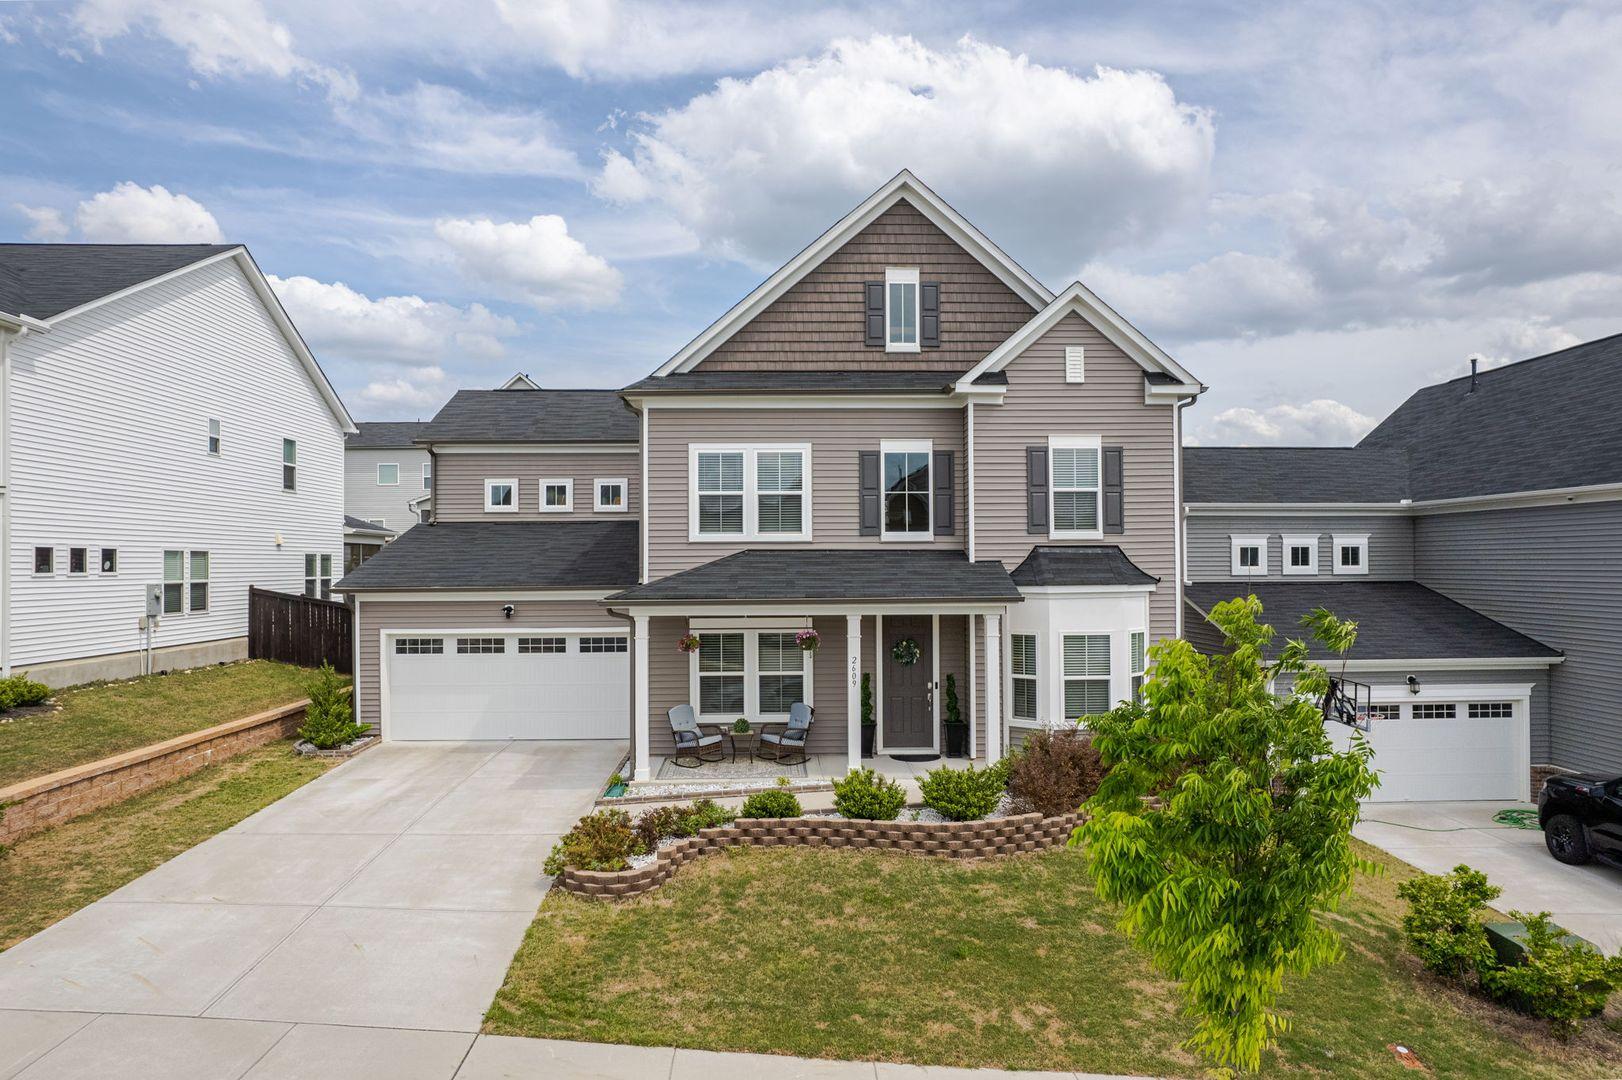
<point>901,440</point>
<point>162,426</point>
<point>1476,537</point>
<point>388,485</point>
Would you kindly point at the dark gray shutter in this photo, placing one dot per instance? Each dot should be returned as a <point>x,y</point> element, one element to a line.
<point>943,493</point>
<point>1114,492</point>
<point>1036,489</point>
<point>929,315</point>
<point>867,481</point>
<point>874,294</point>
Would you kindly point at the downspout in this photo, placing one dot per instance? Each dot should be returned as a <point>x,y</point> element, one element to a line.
<point>969,445</point>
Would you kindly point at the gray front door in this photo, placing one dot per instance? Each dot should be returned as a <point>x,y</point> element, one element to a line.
<point>908,705</point>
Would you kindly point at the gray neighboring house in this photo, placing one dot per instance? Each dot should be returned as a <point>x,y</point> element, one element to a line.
<point>1476,534</point>
<point>388,481</point>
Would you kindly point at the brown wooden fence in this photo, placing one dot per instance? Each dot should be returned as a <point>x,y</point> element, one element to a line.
<point>300,630</point>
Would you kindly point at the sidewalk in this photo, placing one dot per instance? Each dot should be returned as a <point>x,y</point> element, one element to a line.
<point>58,1046</point>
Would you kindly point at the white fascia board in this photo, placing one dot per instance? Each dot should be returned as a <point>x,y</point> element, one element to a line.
<point>533,448</point>
<point>12,322</point>
<point>1080,300</point>
<point>1193,509</point>
<point>1471,663</point>
<point>273,305</point>
<point>902,186</point>
<point>381,596</point>
<point>731,609</point>
<point>930,400</point>
<point>1544,497</point>
<point>1086,590</point>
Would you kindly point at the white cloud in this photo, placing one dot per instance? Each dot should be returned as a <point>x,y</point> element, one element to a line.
<point>536,261</point>
<point>45,223</point>
<point>424,390</point>
<point>442,128</point>
<point>219,37</point>
<point>1231,295</point>
<point>132,214</point>
<point>401,330</point>
<point>1314,423</point>
<point>1042,158</point>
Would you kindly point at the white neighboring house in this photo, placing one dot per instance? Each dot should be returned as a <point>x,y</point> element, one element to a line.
<point>161,422</point>
<point>388,478</point>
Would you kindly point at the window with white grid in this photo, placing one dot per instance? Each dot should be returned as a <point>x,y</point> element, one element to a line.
<point>469,646</point>
<point>1139,659</point>
<point>1075,470</point>
<point>1086,675</point>
<point>1447,711</point>
<point>1022,663</point>
<point>780,667</point>
<point>604,645</point>
<point>546,645</point>
<point>1386,712</point>
<point>720,674</point>
<point>720,493</point>
<point>419,646</point>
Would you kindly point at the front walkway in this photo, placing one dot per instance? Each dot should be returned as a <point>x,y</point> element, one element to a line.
<point>1436,837</point>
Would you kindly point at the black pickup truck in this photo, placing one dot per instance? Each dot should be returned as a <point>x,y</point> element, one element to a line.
<point>1582,818</point>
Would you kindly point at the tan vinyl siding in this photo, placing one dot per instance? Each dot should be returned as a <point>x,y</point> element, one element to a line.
<point>835,435</point>
<point>819,323</point>
<point>379,615</point>
<point>1210,545</point>
<point>460,486</point>
<point>1553,572</point>
<point>1110,405</point>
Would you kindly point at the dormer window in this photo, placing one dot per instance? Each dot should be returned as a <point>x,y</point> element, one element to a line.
<point>901,310</point>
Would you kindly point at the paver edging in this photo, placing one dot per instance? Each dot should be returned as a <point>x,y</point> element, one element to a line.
<point>943,839</point>
<point>31,805</point>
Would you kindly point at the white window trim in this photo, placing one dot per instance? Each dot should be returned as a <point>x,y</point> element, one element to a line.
<point>163,578</point>
<point>427,476</point>
<point>1075,364</point>
<point>207,581</point>
<point>71,572</point>
<point>908,446</point>
<point>1133,672</point>
<point>32,551</point>
<point>1260,542</point>
<point>1112,678</point>
<point>286,445</point>
<point>568,487</point>
<point>1094,443</point>
<point>1306,540</point>
<point>216,434</point>
<point>381,465</point>
<point>597,504</point>
<point>751,677</point>
<point>100,555</point>
<point>904,276</point>
<point>490,509</point>
<point>1035,680</point>
<point>751,495</point>
<point>1357,540</point>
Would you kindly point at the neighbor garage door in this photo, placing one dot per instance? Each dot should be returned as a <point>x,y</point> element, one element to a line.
<point>1449,750</point>
<point>495,685</point>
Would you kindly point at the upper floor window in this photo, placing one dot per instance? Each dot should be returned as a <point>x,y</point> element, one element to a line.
<point>427,475</point>
<point>901,310</point>
<point>501,496</point>
<point>289,465</point>
<point>1351,554</point>
<point>1076,490</point>
<point>318,576</point>
<point>1249,556</point>
<point>906,507</point>
<point>388,474</point>
<point>557,496</point>
<point>750,492</point>
<point>214,437</point>
<point>610,496</point>
<point>1300,554</point>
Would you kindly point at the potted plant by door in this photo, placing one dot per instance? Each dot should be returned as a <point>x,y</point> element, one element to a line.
<point>957,728</point>
<point>869,726</point>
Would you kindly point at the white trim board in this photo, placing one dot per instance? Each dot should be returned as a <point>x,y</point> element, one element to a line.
<point>533,448</point>
<point>903,186</point>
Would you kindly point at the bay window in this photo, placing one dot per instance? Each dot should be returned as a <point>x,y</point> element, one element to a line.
<point>1086,675</point>
<point>1139,661</point>
<point>1022,662</point>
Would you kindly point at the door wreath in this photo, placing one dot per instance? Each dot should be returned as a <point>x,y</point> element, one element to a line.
<point>906,652</point>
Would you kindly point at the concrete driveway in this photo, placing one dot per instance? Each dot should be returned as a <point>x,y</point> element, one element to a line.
<point>1436,837</point>
<point>390,893</point>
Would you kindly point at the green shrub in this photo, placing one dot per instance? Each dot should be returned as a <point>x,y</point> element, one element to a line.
<point>866,796</point>
<point>1560,982</point>
<point>773,802</point>
<point>961,794</point>
<point>18,691</point>
<point>329,720</point>
<point>1002,768</point>
<point>600,841</point>
<point>1055,772</point>
<point>676,822</point>
<point>1443,922</point>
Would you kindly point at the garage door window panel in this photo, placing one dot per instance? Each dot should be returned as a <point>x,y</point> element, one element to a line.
<point>1490,710</point>
<point>413,646</point>
<point>1445,711</point>
<point>613,644</point>
<point>543,645</point>
<point>480,646</point>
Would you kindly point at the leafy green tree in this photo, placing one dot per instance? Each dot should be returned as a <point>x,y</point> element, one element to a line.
<point>1223,828</point>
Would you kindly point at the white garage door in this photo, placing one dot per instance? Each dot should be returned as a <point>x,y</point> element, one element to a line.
<point>1441,751</point>
<point>495,685</point>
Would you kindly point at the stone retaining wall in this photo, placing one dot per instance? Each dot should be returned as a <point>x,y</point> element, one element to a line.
<point>951,839</point>
<point>61,796</point>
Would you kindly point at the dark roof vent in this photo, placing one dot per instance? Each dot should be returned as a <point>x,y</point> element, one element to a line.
<point>1475,360</point>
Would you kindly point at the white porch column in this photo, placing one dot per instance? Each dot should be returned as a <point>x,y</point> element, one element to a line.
<point>994,719</point>
<point>639,700</point>
<point>853,692</point>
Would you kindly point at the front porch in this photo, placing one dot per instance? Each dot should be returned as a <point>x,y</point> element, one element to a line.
<point>816,771</point>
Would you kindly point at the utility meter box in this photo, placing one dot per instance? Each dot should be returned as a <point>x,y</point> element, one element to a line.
<point>154,601</point>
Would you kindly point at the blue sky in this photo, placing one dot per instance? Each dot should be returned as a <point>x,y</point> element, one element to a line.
<point>1317,207</point>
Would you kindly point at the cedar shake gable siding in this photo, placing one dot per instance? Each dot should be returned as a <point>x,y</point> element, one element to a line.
<point>818,324</point>
<point>1109,404</point>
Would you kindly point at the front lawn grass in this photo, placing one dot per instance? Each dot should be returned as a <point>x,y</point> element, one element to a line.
<point>1013,963</point>
<point>50,875</point>
<point>98,720</point>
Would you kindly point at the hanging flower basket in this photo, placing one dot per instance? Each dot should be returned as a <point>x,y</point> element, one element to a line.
<point>688,643</point>
<point>906,652</point>
<point>808,640</point>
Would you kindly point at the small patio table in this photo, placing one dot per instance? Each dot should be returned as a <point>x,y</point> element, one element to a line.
<point>744,739</point>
